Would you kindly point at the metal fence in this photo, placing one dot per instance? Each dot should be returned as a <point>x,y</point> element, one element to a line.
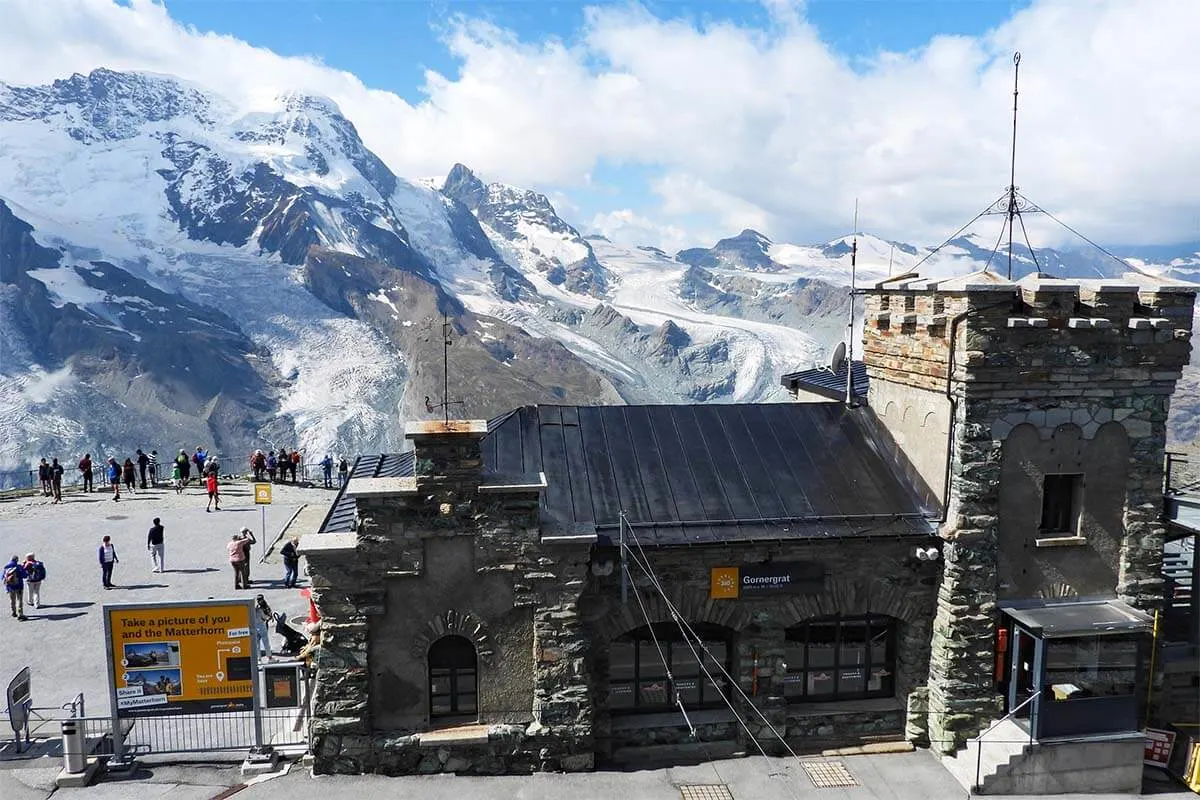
<point>205,733</point>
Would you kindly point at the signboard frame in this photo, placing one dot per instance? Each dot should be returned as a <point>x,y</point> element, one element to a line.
<point>262,494</point>
<point>1159,744</point>
<point>180,605</point>
<point>19,707</point>
<point>764,580</point>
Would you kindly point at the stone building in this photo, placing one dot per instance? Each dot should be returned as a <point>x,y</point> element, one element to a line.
<point>564,587</point>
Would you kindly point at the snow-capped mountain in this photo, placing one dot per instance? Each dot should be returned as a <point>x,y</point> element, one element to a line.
<point>176,269</point>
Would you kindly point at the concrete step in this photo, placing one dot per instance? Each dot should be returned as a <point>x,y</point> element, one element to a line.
<point>993,753</point>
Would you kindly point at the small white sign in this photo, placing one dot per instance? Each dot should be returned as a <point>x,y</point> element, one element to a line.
<point>238,633</point>
<point>137,690</point>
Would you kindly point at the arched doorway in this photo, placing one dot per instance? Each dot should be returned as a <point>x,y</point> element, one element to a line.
<point>453,674</point>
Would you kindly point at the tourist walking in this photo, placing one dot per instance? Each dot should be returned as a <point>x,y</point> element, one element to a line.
<point>85,469</point>
<point>114,477</point>
<point>154,544</point>
<point>213,495</point>
<point>108,559</point>
<point>176,478</point>
<point>44,477</point>
<point>237,556</point>
<point>291,562</point>
<point>130,475</point>
<point>143,461</point>
<point>35,573</point>
<point>153,467</point>
<point>14,587</point>
<point>56,476</point>
<point>343,472</point>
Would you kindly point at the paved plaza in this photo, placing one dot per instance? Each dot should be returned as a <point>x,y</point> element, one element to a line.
<point>63,641</point>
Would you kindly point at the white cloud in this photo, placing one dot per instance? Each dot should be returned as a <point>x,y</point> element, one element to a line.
<point>625,226</point>
<point>762,125</point>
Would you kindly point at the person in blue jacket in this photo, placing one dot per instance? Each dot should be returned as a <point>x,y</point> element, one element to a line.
<point>327,470</point>
<point>114,477</point>
<point>14,586</point>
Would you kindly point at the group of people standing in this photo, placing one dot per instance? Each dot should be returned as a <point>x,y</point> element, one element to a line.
<point>283,464</point>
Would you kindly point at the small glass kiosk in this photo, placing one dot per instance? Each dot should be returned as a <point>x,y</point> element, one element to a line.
<point>1076,669</point>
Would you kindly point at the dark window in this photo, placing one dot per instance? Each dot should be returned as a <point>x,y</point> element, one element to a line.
<point>637,675</point>
<point>910,302</point>
<point>452,678</point>
<point>839,659</point>
<point>1060,502</point>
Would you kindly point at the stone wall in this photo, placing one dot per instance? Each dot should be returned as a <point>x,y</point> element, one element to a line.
<point>436,555</point>
<point>1043,354</point>
<point>876,575</point>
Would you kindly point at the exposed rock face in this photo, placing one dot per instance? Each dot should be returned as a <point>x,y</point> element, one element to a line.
<point>408,309</point>
<point>536,236</point>
<point>746,251</point>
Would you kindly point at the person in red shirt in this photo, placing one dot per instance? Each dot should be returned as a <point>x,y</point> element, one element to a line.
<point>213,495</point>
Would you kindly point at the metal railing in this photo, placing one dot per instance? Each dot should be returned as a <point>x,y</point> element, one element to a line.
<point>976,787</point>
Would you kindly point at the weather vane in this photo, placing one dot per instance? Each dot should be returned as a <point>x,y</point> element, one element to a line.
<point>446,402</point>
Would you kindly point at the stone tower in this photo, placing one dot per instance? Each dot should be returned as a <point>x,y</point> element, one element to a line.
<point>1035,414</point>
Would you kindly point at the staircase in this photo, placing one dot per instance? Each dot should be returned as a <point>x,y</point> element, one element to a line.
<point>1004,743</point>
<point>1010,764</point>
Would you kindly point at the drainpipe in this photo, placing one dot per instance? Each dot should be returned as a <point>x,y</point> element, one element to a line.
<point>953,334</point>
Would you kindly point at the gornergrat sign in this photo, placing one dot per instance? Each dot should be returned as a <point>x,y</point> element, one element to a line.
<point>751,580</point>
<point>181,658</point>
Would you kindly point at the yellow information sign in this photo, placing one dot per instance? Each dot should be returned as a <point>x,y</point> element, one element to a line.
<point>723,583</point>
<point>181,658</point>
<point>262,494</point>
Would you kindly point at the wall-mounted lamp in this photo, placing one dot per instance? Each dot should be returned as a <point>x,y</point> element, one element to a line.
<point>927,553</point>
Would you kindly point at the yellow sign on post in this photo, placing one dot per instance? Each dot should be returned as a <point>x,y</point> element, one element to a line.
<point>262,494</point>
<point>181,658</point>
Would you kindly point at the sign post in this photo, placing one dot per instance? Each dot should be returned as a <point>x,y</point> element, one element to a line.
<point>20,701</point>
<point>262,498</point>
<point>175,658</point>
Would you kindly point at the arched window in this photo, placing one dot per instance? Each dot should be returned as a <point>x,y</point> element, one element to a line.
<point>452,678</point>
<point>840,658</point>
<point>638,676</point>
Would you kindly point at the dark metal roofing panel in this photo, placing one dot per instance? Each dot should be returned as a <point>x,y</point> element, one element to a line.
<point>688,474</point>
<point>340,518</point>
<point>826,382</point>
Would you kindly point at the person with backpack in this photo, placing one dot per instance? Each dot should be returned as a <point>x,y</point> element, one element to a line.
<point>213,495</point>
<point>259,462</point>
<point>291,562</point>
<point>56,476</point>
<point>327,470</point>
<point>129,474</point>
<point>85,469</point>
<point>143,461</point>
<point>108,559</point>
<point>185,467</point>
<point>114,478</point>
<point>343,472</point>
<point>35,573</point>
<point>14,586</point>
<point>154,544</point>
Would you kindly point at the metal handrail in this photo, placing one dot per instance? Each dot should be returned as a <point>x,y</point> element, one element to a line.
<point>990,728</point>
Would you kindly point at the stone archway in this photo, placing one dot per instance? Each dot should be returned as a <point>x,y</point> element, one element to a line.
<point>453,622</point>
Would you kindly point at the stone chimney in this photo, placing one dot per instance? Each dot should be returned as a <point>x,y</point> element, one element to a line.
<point>449,458</point>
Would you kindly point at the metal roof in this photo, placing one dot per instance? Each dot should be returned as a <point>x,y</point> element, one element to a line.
<point>340,518</point>
<point>1053,619</point>
<point>695,474</point>
<point>828,383</point>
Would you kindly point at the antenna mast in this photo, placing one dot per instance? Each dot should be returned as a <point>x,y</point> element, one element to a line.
<point>447,328</point>
<point>1012,170</point>
<point>850,324</point>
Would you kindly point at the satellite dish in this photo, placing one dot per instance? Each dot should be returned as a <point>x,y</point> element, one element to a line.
<point>838,357</point>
